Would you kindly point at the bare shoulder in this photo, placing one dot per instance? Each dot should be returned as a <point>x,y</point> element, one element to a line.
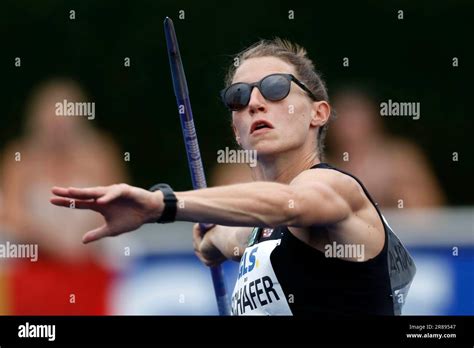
<point>344,185</point>
<point>362,226</point>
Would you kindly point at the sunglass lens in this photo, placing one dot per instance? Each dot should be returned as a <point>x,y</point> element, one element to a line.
<point>237,96</point>
<point>275,87</point>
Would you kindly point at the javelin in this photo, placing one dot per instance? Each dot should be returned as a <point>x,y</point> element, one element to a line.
<point>192,147</point>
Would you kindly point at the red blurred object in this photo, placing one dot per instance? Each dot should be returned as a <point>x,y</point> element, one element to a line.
<point>45,288</point>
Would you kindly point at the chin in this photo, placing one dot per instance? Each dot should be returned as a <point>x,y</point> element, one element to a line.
<point>266,148</point>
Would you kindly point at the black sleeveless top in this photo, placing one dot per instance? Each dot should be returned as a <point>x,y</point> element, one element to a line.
<point>282,275</point>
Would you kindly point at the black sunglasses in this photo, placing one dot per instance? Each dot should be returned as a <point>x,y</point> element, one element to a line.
<point>273,87</point>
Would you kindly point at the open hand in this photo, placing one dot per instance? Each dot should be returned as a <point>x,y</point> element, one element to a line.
<point>124,207</point>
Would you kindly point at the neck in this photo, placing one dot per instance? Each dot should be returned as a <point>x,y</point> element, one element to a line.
<point>285,167</point>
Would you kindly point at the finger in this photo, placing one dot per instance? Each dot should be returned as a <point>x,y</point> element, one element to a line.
<point>61,201</point>
<point>80,193</point>
<point>203,259</point>
<point>96,234</point>
<point>197,237</point>
<point>199,256</point>
<point>74,203</point>
<point>110,195</point>
<point>88,193</point>
<point>197,234</point>
<point>204,227</point>
<point>60,191</point>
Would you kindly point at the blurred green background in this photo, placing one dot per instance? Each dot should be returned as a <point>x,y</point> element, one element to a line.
<point>404,60</point>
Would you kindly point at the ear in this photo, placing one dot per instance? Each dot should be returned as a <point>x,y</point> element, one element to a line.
<point>320,112</point>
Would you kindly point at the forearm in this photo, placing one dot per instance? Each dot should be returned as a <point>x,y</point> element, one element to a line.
<point>251,204</point>
<point>231,241</point>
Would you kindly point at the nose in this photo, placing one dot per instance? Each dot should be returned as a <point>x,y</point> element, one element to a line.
<point>257,102</point>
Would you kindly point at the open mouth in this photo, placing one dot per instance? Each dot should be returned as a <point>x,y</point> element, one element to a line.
<point>260,124</point>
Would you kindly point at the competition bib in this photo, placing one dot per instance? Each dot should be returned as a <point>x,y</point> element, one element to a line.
<point>257,290</point>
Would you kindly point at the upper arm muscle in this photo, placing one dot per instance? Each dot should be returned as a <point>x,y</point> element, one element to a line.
<point>325,197</point>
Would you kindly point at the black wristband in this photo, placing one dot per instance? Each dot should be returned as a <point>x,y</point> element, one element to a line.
<point>170,200</point>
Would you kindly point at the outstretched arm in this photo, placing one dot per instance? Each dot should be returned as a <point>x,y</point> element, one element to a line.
<point>311,198</point>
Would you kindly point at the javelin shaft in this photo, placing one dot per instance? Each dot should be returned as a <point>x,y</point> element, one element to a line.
<point>192,147</point>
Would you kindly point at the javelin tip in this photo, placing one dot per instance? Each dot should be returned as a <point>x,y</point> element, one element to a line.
<point>168,21</point>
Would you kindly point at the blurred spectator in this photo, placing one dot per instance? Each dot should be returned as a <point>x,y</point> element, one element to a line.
<point>394,169</point>
<point>65,151</point>
<point>230,173</point>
